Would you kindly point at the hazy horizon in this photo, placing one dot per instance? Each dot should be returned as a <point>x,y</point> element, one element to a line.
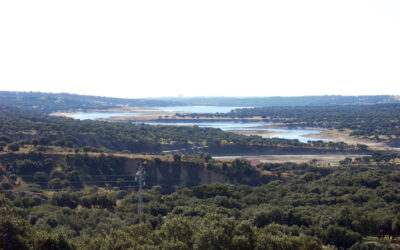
<point>182,96</point>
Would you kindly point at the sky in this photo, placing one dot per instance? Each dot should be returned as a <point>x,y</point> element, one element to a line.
<point>152,48</point>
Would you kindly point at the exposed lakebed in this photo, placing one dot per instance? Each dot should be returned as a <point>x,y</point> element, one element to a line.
<point>100,115</point>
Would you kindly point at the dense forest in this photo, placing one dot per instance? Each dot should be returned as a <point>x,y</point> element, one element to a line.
<point>48,102</point>
<point>27,128</point>
<point>379,121</point>
<point>304,206</point>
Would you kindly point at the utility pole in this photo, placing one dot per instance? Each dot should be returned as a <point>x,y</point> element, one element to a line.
<point>139,178</point>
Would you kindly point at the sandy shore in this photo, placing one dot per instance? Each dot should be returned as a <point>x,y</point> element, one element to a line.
<point>344,136</point>
<point>141,113</point>
<point>262,133</point>
<point>63,114</point>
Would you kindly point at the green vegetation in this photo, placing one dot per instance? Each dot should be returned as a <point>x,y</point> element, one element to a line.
<point>74,172</point>
<point>305,207</point>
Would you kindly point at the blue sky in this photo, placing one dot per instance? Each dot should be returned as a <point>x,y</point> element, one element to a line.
<point>201,48</point>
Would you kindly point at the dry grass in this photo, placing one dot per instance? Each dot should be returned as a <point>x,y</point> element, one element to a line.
<point>323,158</point>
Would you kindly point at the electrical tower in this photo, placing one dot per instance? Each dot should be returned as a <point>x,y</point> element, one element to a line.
<point>141,182</point>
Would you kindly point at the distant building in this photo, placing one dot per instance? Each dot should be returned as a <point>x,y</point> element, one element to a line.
<point>255,163</point>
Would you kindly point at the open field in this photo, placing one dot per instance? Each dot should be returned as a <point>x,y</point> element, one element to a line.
<point>324,158</point>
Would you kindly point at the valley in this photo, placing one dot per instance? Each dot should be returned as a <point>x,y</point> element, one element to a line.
<point>83,178</point>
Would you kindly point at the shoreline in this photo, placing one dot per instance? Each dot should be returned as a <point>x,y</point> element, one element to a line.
<point>262,133</point>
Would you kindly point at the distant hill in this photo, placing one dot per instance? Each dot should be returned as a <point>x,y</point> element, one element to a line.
<point>49,102</point>
<point>285,101</point>
<point>53,102</point>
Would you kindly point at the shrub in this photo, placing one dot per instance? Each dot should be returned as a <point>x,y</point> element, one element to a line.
<point>55,183</point>
<point>57,174</point>
<point>340,236</point>
<point>13,147</point>
<point>44,141</point>
<point>41,178</point>
<point>5,139</point>
<point>64,199</point>
<point>5,185</point>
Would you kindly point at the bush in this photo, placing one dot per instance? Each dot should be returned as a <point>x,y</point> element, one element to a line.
<point>44,141</point>
<point>13,230</point>
<point>41,148</point>
<point>5,139</point>
<point>13,147</point>
<point>177,158</point>
<point>13,177</point>
<point>47,242</point>
<point>5,185</point>
<point>340,236</point>
<point>74,178</point>
<point>64,199</point>
<point>55,183</point>
<point>101,200</point>
<point>57,174</point>
<point>41,178</point>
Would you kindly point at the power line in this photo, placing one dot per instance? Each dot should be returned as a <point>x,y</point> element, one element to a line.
<point>114,175</point>
<point>52,189</point>
<point>77,182</point>
<point>139,179</point>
